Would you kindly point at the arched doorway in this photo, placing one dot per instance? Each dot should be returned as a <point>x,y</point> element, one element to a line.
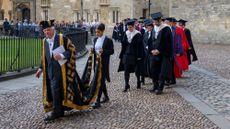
<point>26,13</point>
<point>22,11</point>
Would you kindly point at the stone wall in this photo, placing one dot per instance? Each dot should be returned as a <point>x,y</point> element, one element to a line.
<point>59,10</point>
<point>160,6</point>
<point>124,6</point>
<point>209,20</point>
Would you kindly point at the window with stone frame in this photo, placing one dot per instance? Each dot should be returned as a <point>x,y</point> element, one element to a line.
<point>2,14</point>
<point>46,14</point>
<point>97,16</point>
<point>78,16</point>
<point>115,16</point>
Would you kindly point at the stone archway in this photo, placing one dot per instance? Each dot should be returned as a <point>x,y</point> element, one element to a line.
<point>22,11</point>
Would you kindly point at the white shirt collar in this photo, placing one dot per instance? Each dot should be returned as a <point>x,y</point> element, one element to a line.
<point>102,37</point>
<point>52,39</point>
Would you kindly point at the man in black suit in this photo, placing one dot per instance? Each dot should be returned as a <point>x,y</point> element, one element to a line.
<point>104,46</point>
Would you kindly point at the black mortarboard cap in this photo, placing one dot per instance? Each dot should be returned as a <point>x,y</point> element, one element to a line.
<point>169,19</point>
<point>156,16</point>
<point>182,21</point>
<point>47,24</point>
<point>130,22</point>
<point>148,22</point>
<point>174,19</point>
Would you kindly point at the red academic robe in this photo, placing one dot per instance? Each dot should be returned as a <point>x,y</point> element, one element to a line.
<point>181,62</point>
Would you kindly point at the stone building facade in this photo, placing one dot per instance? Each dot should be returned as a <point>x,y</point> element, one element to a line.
<point>209,20</point>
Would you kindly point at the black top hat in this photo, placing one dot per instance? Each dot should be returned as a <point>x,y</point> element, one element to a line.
<point>156,16</point>
<point>47,24</point>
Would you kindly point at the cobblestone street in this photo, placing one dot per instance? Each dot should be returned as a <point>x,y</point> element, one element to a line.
<point>138,108</point>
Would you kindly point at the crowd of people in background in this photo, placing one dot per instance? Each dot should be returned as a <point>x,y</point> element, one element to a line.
<point>28,28</point>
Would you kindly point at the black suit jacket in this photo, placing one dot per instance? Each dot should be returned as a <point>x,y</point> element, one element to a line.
<point>52,66</point>
<point>105,56</point>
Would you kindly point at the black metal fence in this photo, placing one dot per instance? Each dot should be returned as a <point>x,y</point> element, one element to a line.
<point>19,53</point>
<point>79,39</point>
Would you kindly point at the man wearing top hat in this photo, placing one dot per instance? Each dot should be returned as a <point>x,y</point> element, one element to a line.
<point>53,71</point>
<point>161,53</point>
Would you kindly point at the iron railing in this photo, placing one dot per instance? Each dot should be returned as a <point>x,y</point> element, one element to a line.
<point>19,53</point>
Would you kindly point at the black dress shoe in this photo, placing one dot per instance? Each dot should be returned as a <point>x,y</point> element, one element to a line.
<point>126,88</point>
<point>96,105</point>
<point>143,81</point>
<point>53,117</point>
<point>194,59</point>
<point>158,92</point>
<point>173,83</point>
<point>105,100</point>
<point>138,85</point>
<point>153,90</point>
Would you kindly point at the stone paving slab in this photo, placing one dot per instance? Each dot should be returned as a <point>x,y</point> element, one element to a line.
<point>214,58</point>
<point>204,108</point>
<point>135,109</point>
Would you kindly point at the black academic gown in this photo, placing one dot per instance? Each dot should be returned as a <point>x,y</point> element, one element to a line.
<point>192,50</point>
<point>130,53</point>
<point>146,42</point>
<point>115,33</point>
<point>161,65</point>
<point>54,76</point>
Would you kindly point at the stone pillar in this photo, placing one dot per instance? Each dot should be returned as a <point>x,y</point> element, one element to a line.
<point>170,8</point>
<point>32,10</point>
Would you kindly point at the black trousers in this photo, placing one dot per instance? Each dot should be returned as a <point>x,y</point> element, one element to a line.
<point>102,89</point>
<point>127,74</point>
<point>57,95</point>
<point>173,80</point>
